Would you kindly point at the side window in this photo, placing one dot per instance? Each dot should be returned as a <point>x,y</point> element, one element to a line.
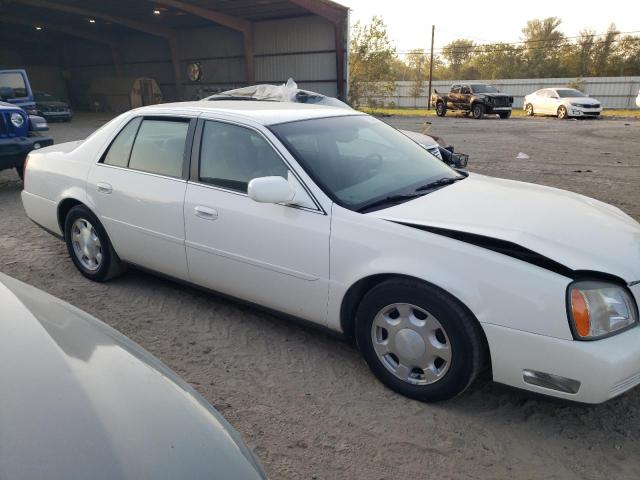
<point>120,149</point>
<point>159,147</point>
<point>455,89</point>
<point>466,90</point>
<point>231,156</point>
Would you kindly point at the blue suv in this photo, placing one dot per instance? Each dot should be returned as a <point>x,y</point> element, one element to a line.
<point>20,132</point>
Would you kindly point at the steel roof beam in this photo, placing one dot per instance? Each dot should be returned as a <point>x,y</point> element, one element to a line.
<point>167,33</point>
<point>235,23</point>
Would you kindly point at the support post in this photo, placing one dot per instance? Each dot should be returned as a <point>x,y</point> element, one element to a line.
<point>433,32</point>
<point>248,55</point>
<point>340,56</point>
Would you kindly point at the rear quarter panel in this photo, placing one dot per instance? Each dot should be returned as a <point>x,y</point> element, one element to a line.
<point>59,172</point>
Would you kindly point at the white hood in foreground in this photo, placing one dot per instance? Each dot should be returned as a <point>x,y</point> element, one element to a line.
<point>576,231</point>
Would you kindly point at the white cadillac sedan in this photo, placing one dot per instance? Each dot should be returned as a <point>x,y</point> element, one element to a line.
<point>561,102</point>
<point>333,217</point>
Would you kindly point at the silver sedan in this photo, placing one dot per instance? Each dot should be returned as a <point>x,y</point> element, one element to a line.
<point>80,400</point>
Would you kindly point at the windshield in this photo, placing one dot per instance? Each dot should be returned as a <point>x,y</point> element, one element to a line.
<point>569,92</point>
<point>483,88</point>
<point>15,82</point>
<point>359,160</point>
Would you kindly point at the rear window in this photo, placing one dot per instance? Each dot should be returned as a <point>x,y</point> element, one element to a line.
<point>15,82</point>
<point>118,154</point>
<point>159,147</point>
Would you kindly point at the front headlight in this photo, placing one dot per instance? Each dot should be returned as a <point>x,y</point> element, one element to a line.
<point>599,309</point>
<point>575,104</point>
<point>17,120</point>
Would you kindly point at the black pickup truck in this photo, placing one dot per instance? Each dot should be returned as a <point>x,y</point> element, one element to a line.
<point>475,99</point>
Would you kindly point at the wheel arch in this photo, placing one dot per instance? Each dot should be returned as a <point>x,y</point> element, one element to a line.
<point>358,290</point>
<point>63,209</point>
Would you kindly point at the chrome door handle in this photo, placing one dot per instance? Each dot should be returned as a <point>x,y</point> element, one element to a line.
<point>104,187</point>
<point>206,212</point>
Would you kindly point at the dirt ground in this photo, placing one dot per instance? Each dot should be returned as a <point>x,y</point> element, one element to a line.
<point>306,402</point>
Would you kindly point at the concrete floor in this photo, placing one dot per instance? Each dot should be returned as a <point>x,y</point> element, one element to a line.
<point>307,403</point>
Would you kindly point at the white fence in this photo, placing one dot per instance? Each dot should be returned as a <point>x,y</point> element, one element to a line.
<point>613,92</point>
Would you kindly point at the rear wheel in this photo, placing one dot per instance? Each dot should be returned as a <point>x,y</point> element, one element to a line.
<point>441,109</point>
<point>89,245</point>
<point>562,112</point>
<point>529,110</point>
<point>418,340</point>
<point>20,170</point>
<point>478,111</point>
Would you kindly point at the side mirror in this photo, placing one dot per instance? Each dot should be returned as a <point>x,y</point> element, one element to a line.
<point>270,190</point>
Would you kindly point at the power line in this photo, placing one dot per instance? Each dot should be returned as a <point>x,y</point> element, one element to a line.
<point>563,40</point>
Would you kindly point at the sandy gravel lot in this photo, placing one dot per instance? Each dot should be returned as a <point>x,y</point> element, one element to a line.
<point>306,402</point>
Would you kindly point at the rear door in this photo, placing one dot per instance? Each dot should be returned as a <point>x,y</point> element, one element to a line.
<point>137,189</point>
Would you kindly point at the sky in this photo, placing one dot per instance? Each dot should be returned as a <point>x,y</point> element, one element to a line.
<point>488,21</point>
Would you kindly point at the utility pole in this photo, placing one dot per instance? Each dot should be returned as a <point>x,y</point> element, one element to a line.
<point>433,32</point>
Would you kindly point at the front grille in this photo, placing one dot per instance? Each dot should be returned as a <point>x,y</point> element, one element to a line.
<point>6,127</point>
<point>501,102</point>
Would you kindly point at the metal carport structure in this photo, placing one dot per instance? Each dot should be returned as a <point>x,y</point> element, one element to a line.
<point>66,44</point>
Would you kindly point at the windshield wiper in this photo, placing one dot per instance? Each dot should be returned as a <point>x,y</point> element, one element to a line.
<point>389,200</point>
<point>439,183</point>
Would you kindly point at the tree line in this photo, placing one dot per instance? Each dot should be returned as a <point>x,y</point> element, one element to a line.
<point>544,52</point>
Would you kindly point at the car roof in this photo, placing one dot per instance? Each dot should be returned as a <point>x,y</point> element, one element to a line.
<point>264,112</point>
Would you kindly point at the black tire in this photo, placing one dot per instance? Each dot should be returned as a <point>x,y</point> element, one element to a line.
<point>504,115</point>
<point>562,112</point>
<point>110,265</point>
<point>478,111</point>
<point>20,170</point>
<point>463,332</point>
<point>529,109</point>
<point>441,109</point>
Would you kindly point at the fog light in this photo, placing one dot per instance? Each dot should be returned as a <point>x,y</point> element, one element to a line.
<point>547,380</point>
<point>36,146</point>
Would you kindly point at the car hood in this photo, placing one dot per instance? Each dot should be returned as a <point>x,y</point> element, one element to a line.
<point>576,231</point>
<point>494,95</point>
<point>582,100</point>
<point>8,106</point>
<point>80,400</point>
<point>52,104</point>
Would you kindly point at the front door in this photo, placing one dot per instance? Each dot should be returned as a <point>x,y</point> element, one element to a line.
<point>137,190</point>
<point>270,254</point>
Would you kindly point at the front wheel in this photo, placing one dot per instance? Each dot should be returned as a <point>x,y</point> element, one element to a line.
<point>441,109</point>
<point>418,340</point>
<point>20,170</point>
<point>562,112</point>
<point>89,246</point>
<point>478,111</point>
<point>504,115</point>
